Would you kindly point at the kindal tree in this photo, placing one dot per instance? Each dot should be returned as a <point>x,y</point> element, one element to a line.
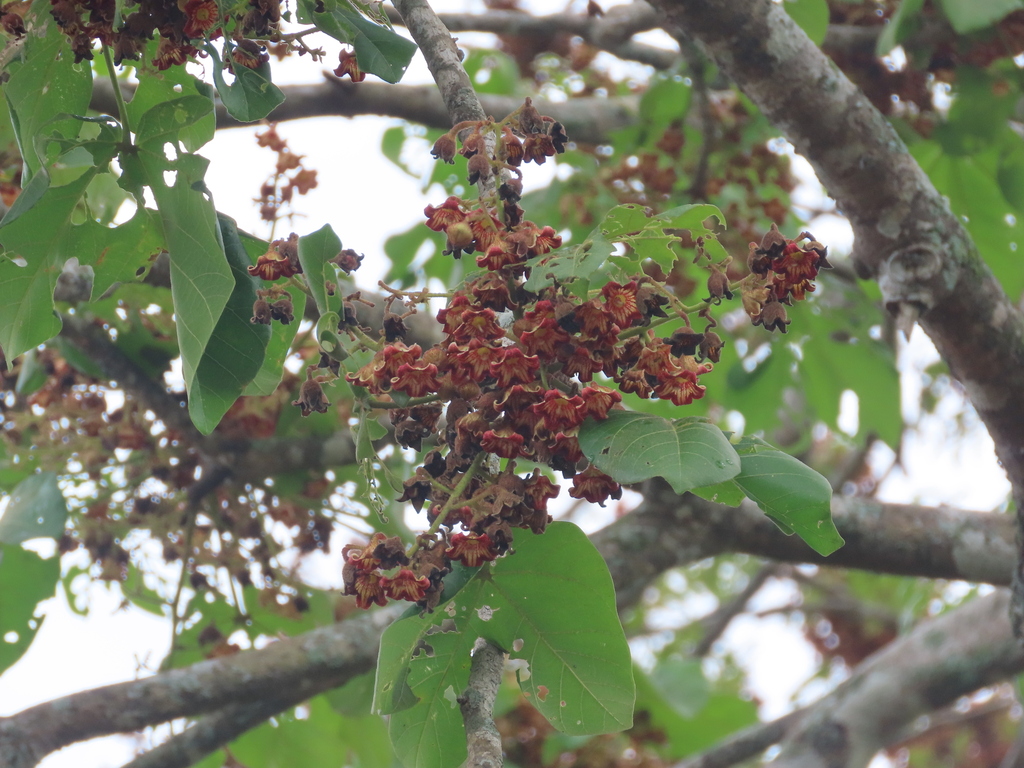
<point>658,317</point>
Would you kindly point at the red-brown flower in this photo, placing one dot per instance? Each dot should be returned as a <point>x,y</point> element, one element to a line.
<point>503,442</point>
<point>441,217</point>
<point>472,550</point>
<point>472,363</point>
<point>544,339</point>
<point>478,324</point>
<point>416,380</point>
<point>369,589</point>
<point>594,486</point>
<point>559,412</point>
<point>539,489</point>
<point>597,401</point>
<point>620,302</point>
<point>200,16</point>
<point>273,265</point>
<point>405,586</point>
<point>349,65</point>
<point>681,389</point>
<point>515,367</point>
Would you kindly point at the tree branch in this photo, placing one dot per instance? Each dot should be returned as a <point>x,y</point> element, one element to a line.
<point>96,344</point>
<point>906,237</point>
<point>586,120</point>
<point>610,32</point>
<point>210,733</point>
<point>483,741</point>
<point>718,621</point>
<point>745,744</point>
<point>937,662</point>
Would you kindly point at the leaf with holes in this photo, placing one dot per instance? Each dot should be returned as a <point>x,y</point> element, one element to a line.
<point>631,447</point>
<point>202,281</point>
<point>42,236</point>
<point>579,674</point>
<point>26,579</point>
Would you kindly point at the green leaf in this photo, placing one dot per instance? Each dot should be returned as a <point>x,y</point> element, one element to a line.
<point>121,253</point>
<point>794,496</point>
<point>156,89</point>
<point>631,447</point>
<point>45,82</point>
<point>379,50</point>
<point>580,676</point>
<point>252,96</point>
<point>574,264</point>
<point>26,579</point>
<point>31,377</point>
<point>727,493</point>
<point>41,236</point>
<point>165,121</point>
<point>968,16</point>
<point>682,684</point>
<point>235,351</point>
<point>492,71</point>
<point>202,281</point>
<point>37,509</point>
<point>315,253</point>
<point>811,16</point>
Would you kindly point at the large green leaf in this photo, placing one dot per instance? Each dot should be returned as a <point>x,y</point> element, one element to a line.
<point>234,354</point>
<point>26,579</point>
<point>45,82</point>
<point>794,496</point>
<point>968,16</point>
<point>631,447</point>
<point>379,50</point>
<point>315,253</point>
<point>580,676</point>
<point>121,253</point>
<point>42,236</point>
<point>201,278</point>
<point>37,509</point>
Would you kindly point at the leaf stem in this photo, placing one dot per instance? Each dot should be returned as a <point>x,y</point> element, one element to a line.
<point>122,108</point>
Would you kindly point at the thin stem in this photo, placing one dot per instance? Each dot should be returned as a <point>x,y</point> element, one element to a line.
<point>122,107</point>
<point>456,495</point>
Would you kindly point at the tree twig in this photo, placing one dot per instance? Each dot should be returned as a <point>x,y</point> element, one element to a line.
<point>483,742</point>
<point>745,744</point>
<point>718,621</point>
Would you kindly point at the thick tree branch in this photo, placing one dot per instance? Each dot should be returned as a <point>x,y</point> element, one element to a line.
<point>483,742</point>
<point>610,32</point>
<point>288,672</point>
<point>586,120</point>
<point>745,744</point>
<point>906,236</point>
<point>937,662</point>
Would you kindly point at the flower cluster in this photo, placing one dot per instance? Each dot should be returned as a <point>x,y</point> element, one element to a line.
<point>781,271</point>
<point>290,177</point>
<point>519,371</point>
<point>180,28</point>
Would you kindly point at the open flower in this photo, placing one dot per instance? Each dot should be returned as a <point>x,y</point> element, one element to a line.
<point>472,550</point>
<point>405,586</point>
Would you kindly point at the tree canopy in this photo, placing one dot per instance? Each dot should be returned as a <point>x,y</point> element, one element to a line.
<point>193,414</point>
